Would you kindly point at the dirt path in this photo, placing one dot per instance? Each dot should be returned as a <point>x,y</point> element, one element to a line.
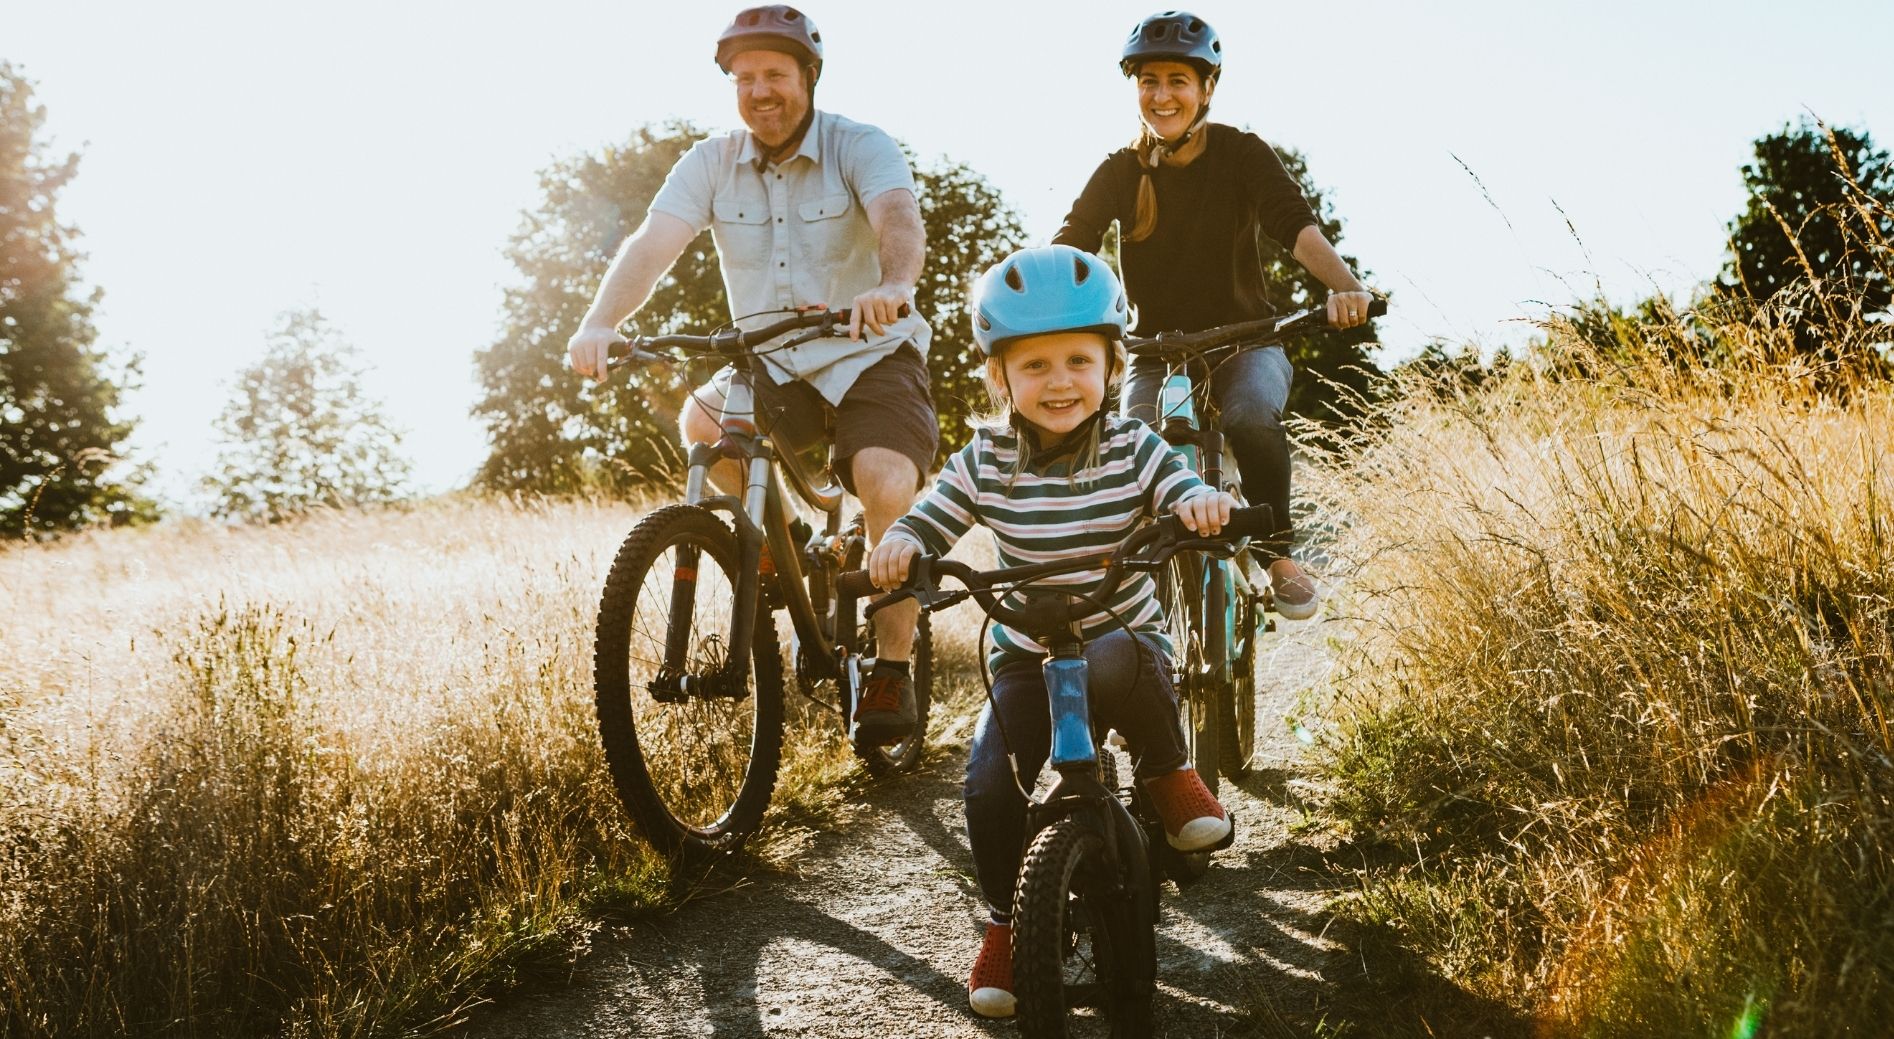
<point>876,935</point>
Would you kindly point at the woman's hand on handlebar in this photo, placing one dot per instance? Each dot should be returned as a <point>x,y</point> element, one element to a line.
<point>1348,309</point>
<point>588,349</point>
<point>888,563</point>
<point>1205,514</point>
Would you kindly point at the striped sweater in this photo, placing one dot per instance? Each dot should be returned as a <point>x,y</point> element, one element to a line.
<point>1046,513</point>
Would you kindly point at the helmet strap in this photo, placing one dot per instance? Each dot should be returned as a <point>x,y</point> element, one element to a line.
<point>766,156</point>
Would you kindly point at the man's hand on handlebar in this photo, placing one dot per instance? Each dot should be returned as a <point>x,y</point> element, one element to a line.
<point>587,350</point>
<point>1205,514</point>
<point>888,563</point>
<point>877,308</point>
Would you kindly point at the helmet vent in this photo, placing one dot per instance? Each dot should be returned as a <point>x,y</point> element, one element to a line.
<point>1196,25</point>
<point>1013,280</point>
<point>985,325</point>
<point>1080,272</point>
<point>791,14</point>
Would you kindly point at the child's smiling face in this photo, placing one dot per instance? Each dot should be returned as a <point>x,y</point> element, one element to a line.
<point>1057,380</point>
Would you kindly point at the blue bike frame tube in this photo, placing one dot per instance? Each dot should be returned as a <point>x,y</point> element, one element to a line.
<point>1067,693</point>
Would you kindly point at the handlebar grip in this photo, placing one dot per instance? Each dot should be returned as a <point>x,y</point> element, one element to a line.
<point>1378,308</point>
<point>854,584</point>
<point>1256,521</point>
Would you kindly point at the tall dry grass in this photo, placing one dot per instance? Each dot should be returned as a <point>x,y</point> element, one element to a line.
<point>338,777</point>
<point>1616,704</point>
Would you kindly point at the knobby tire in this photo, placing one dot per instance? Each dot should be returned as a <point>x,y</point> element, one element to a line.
<point>695,776</point>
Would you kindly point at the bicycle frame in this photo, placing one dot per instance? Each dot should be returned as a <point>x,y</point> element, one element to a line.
<point>761,515</point>
<point>1218,585</point>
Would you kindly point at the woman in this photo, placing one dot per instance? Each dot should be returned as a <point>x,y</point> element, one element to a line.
<point>1190,198</point>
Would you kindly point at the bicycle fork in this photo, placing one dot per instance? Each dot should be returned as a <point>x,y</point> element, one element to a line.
<point>750,515</point>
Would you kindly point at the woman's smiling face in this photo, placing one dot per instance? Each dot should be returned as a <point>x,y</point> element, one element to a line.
<point>1169,96</point>
<point>1056,381</point>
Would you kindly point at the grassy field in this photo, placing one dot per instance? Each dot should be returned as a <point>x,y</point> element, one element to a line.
<point>1612,729</point>
<point>338,777</point>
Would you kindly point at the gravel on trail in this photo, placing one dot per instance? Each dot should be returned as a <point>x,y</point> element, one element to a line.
<point>872,929</point>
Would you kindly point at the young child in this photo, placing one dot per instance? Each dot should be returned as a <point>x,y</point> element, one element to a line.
<point>1060,479</point>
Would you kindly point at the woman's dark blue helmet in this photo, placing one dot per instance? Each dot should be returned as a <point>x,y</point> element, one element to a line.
<point>1173,36</point>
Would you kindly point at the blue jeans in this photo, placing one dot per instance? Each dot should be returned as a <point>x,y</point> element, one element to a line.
<point>1130,690</point>
<point>1250,389</point>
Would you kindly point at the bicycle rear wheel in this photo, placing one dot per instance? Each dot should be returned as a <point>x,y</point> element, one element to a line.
<point>1084,939</point>
<point>694,768</point>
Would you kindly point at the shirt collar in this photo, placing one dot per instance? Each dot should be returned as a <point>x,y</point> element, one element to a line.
<point>811,145</point>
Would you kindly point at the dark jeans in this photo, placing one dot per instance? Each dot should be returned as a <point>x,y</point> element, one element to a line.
<point>1130,690</point>
<point>1251,390</point>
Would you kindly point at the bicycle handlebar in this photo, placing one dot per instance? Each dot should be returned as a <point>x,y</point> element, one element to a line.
<point>1248,333</point>
<point>728,341</point>
<point>1164,538</point>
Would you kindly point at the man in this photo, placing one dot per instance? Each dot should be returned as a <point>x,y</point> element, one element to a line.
<point>807,209</point>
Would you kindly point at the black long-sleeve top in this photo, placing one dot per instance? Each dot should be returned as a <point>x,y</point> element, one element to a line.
<point>1200,267</point>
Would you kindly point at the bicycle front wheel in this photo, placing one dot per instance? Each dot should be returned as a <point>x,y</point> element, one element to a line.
<point>1182,591</point>
<point>693,749</point>
<point>1084,939</point>
<point>1238,723</point>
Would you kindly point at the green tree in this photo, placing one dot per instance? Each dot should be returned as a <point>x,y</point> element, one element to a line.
<point>548,430</point>
<point>60,427</point>
<point>301,433</point>
<point>1332,366</point>
<point>552,432</point>
<point>969,229</point>
<point>1816,236</point>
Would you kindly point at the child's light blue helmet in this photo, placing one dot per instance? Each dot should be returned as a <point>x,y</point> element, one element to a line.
<point>1050,288</point>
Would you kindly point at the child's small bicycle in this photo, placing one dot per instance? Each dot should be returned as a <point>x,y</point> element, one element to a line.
<point>687,670</point>
<point>1085,907</point>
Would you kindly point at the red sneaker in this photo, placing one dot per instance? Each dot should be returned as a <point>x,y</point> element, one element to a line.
<point>1193,820</point>
<point>990,988</point>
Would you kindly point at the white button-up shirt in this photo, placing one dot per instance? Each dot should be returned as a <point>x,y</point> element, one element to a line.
<point>796,233</point>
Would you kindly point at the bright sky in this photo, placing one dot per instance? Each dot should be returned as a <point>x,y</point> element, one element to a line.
<point>372,158</point>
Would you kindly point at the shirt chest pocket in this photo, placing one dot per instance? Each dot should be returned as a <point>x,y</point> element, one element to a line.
<point>743,233</point>
<point>828,231</point>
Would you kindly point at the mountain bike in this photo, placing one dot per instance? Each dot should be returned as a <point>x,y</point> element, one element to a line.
<point>1217,606</point>
<point>1085,906</point>
<point>687,667</point>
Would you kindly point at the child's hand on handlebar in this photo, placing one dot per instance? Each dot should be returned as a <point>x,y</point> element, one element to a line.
<point>1206,513</point>
<point>888,563</point>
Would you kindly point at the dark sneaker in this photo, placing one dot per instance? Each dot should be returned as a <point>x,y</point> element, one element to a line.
<point>1193,820</point>
<point>885,714</point>
<point>990,988</point>
<point>1293,591</point>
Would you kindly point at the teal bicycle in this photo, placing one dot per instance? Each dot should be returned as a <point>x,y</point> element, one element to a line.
<point>1217,603</point>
